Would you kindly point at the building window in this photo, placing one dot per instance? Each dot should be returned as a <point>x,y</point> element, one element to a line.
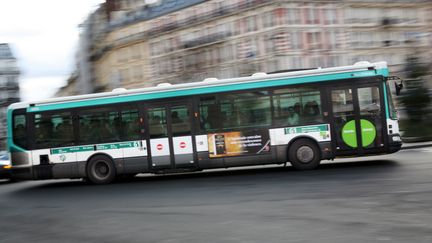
<point>330,16</point>
<point>293,16</point>
<point>251,23</point>
<point>313,40</point>
<point>124,76</point>
<point>137,72</point>
<point>296,40</point>
<point>136,52</point>
<point>268,19</point>
<point>312,15</point>
<point>280,41</point>
<point>280,15</point>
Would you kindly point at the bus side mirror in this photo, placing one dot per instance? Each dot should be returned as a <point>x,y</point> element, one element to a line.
<point>398,87</point>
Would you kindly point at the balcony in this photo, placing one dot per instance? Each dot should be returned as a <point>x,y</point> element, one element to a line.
<point>206,39</point>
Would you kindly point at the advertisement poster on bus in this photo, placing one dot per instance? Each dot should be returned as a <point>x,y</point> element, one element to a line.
<point>238,143</point>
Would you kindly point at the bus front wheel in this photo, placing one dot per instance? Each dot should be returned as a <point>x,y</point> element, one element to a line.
<point>100,170</point>
<point>304,154</point>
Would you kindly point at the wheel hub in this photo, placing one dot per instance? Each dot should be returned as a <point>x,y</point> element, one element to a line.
<point>305,154</point>
<point>102,170</point>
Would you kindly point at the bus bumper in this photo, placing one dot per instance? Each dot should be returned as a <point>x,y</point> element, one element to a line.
<point>395,143</point>
<point>21,173</point>
<point>35,172</point>
<point>49,171</point>
<point>5,172</point>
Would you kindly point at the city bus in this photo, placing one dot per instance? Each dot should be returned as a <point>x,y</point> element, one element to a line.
<point>299,117</point>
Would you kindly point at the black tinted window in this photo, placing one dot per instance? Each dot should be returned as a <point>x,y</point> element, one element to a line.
<point>53,130</point>
<point>20,130</point>
<point>130,125</point>
<point>99,126</point>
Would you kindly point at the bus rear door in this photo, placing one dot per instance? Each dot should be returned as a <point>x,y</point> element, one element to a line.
<point>170,135</point>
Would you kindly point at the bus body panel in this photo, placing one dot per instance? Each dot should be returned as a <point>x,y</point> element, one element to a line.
<point>223,148</point>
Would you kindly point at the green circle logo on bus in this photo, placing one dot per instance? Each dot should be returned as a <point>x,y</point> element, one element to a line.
<point>368,133</point>
<point>349,135</point>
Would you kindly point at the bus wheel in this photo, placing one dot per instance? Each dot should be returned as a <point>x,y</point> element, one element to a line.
<point>100,170</point>
<point>304,154</point>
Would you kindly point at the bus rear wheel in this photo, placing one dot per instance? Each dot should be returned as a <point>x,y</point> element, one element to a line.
<point>100,170</point>
<point>304,154</point>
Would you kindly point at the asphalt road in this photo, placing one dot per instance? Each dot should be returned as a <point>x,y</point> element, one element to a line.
<point>374,199</point>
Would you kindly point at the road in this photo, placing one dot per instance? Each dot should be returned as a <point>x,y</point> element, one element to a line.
<point>374,199</point>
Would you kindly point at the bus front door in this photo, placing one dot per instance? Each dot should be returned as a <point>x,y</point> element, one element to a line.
<point>170,136</point>
<point>357,119</point>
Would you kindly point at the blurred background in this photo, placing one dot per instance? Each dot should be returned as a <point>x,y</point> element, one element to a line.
<point>137,43</point>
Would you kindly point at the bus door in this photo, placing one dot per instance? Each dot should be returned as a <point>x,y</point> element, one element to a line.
<point>170,135</point>
<point>357,119</point>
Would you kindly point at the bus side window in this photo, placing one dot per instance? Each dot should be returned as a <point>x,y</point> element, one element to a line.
<point>294,106</point>
<point>130,125</point>
<point>99,126</point>
<point>209,114</point>
<point>157,118</point>
<point>53,130</point>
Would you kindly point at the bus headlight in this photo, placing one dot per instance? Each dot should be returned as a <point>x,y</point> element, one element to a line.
<point>396,139</point>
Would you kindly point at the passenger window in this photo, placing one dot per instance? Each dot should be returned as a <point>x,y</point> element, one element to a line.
<point>53,130</point>
<point>130,125</point>
<point>180,121</point>
<point>209,114</point>
<point>252,109</point>
<point>99,126</point>
<point>157,122</point>
<point>296,106</point>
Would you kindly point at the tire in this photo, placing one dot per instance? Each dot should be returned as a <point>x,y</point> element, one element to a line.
<point>304,154</point>
<point>101,170</point>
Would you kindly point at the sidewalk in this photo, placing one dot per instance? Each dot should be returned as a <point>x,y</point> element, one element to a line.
<point>416,145</point>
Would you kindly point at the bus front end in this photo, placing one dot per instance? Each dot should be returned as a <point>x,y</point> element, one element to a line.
<point>393,132</point>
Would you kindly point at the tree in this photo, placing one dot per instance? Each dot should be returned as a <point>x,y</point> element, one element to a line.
<point>416,99</point>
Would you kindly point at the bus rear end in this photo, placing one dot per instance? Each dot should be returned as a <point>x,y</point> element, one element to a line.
<point>17,141</point>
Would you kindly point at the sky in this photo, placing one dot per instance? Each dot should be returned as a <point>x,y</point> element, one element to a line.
<point>43,35</point>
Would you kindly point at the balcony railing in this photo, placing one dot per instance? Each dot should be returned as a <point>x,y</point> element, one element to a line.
<point>206,39</point>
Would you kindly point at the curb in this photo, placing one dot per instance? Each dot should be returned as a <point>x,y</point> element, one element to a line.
<point>416,146</point>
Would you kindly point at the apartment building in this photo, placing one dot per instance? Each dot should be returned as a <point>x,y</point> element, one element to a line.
<point>9,88</point>
<point>173,41</point>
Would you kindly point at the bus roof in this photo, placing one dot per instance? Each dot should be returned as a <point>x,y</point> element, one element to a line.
<point>207,86</point>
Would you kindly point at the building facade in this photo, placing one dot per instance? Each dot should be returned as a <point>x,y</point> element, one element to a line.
<point>9,87</point>
<point>182,41</point>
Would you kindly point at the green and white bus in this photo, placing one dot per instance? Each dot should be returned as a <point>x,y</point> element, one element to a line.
<point>300,117</point>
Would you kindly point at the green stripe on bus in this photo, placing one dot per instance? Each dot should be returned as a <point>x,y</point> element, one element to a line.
<point>306,129</point>
<point>207,90</point>
<point>117,145</point>
<point>87,148</point>
<point>72,149</point>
